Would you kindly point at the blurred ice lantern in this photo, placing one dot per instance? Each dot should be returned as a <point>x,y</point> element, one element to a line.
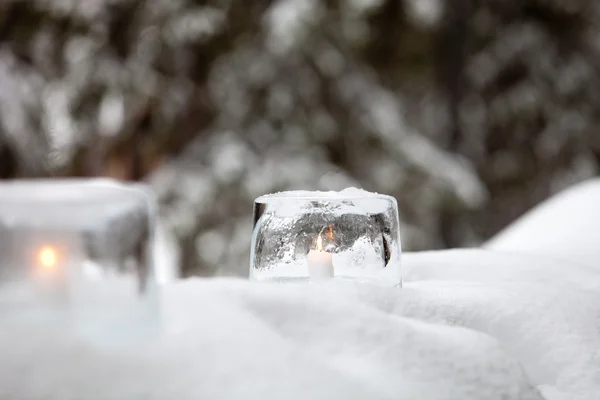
<point>78,252</point>
<point>349,235</point>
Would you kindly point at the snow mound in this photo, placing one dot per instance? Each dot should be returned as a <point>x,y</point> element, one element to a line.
<point>230,339</point>
<point>469,324</point>
<point>565,225</point>
<point>484,266</point>
<point>543,311</point>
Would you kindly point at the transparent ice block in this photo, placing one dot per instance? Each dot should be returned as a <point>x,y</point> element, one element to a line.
<point>350,235</point>
<point>79,253</point>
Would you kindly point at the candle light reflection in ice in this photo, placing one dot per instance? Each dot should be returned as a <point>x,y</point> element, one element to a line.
<point>79,253</point>
<point>347,235</point>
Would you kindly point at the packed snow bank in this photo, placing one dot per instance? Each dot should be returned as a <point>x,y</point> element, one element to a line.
<point>545,312</point>
<point>566,225</point>
<point>228,339</point>
<point>468,324</point>
<point>553,333</point>
<point>492,267</point>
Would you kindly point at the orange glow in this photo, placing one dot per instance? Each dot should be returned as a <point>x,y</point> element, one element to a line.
<point>48,257</point>
<point>319,243</point>
<point>330,232</point>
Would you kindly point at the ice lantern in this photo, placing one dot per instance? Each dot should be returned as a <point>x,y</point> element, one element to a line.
<point>78,253</point>
<point>349,235</point>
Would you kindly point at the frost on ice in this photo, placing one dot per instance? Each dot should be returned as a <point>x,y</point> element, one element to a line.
<point>77,253</point>
<point>360,229</point>
<point>109,219</point>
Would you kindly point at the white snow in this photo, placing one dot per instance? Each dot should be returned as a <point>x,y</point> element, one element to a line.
<point>468,324</point>
<point>566,225</point>
<point>228,339</point>
<point>543,311</point>
<point>292,202</point>
<point>349,193</point>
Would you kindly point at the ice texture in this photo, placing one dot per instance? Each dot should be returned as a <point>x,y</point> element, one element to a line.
<point>106,217</point>
<point>360,228</point>
<point>101,235</point>
<point>67,203</point>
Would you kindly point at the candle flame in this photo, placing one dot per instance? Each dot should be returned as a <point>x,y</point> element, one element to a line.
<point>319,243</point>
<point>330,232</point>
<point>48,258</point>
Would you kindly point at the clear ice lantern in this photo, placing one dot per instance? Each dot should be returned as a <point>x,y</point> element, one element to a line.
<point>315,236</point>
<point>78,252</point>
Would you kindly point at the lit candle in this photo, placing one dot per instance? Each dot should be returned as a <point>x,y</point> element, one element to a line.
<point>320,265</point>
<point>47,258</point>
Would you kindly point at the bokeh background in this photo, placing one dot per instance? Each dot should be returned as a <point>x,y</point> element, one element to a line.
<point>469,112</point>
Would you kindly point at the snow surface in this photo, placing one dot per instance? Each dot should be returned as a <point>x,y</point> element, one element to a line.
<point>229,339</point>
<point>545,312</point>
<point>350,200</point>
<point>566,225</point>
<point>350,193</point>
<point>468,324</point>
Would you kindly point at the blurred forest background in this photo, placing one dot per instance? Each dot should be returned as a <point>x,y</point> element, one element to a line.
<point>469,112</point>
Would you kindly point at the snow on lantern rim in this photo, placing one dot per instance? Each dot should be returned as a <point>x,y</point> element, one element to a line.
<point>350,193</point>
<point>294,201</point>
